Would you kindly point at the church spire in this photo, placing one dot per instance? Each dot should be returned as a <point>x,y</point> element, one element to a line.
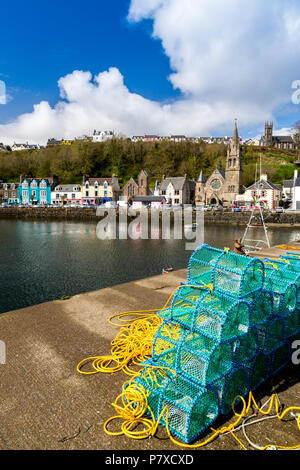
<point>236,138</point>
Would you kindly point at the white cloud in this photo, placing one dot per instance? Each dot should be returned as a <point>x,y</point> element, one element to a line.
<point>230,59</point>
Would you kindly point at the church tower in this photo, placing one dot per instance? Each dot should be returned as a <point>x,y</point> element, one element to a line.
<point>234,168</point>
<point>268,139</point>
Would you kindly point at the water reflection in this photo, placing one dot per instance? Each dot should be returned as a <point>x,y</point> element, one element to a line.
<point>43,261</point>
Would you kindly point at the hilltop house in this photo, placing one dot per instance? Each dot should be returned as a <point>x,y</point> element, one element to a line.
<point>96,191</point>
<point>34,191</point>
<point>102,136</point>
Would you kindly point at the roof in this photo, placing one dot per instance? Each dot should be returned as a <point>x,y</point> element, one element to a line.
<point>201,178</point>
<point>149,198</point>
<point>178,183</point>
<point>284,139</point>
<point>297,182</point>
<point>288,183</point>
<point>67,187</point>
<point>263,184</point>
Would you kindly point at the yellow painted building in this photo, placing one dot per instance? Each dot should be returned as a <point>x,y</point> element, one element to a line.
<point>99,190</point>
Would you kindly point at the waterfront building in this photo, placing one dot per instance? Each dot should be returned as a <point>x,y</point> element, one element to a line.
<point>222,187</point>
<point>102,136</point>
<point>267,193</point>
<point>66,194</point>
<point>97,191</point>
<point>9,193</point>
<point>35,191</point>
<point>54,142</point>
<point>177,191</point>
<point>150,202</point>
<point>139,187</point>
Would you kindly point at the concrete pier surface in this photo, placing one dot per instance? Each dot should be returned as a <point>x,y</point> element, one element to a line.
<point>46,404</point>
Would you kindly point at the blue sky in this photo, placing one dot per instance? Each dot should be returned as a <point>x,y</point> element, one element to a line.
<point>46,40</point>
<point>147,66</point>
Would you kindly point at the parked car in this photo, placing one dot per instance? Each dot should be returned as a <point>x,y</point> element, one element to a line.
<point>279,210</point>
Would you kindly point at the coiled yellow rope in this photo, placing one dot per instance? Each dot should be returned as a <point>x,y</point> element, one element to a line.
<point>134,342</point>
<point>134,400</point>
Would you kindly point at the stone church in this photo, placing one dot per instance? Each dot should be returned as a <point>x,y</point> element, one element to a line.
<point>221,188</point>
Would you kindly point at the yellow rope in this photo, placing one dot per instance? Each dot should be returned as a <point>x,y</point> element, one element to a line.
<point>135,404</point>
<point>134,342</point>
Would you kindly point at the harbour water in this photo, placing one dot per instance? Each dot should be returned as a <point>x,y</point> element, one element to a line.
<point>43,261</point>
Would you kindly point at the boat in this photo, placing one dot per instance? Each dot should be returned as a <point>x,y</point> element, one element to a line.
<point>167,270</point>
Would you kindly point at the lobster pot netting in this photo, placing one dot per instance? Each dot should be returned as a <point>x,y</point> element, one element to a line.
<point>204,359</point>
<point>262,309</point>
<point>217,316</point>
<point>284,293</point>
<point>236,384</point>
<point>228,272</point>
<point>259,370</point>
<point>185,305</point>
<point>227,330</point>
<point>166,343</point>
<point>192,409</point>
<point>246,348</point>
<point>271,336</point>
<point>292,323</point>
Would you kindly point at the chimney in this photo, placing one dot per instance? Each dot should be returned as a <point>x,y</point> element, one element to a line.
<point>295,175</point>
<point>264,177</point>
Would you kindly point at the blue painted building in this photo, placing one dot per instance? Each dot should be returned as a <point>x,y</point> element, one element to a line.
<point>35,191</point>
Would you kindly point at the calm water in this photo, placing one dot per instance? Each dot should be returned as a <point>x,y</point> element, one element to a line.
<point>42,261</point>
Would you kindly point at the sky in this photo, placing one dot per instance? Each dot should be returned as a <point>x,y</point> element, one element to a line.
<point>148,66</point>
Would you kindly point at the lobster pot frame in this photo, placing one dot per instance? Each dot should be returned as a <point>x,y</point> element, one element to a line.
<point>221,317</point>
<point>271,336</point>
<point>204,360</point>
<point>202,263</point>
<point>284,264</point>
<point>284,293</point>
<point>280,358</point>
<point>229,273</point>
<point>191,409</point>
<point>288,276</point>
<point>185,304</point>
<point>292,323</point>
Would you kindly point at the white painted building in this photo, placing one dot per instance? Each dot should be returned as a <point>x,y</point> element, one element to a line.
<point>268,193</point>
<point>177,191</point>
<point>15,147</point>
<point>66,194</point>
<point>102,136</point>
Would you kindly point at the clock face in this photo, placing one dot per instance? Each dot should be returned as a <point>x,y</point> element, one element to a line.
<point>216,185</point>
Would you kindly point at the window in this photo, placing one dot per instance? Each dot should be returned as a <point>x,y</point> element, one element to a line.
<point>176,201</point>
<point>57,196</point>
<point>87,185</point>
<point>73,196</point>
<point>177,192</point>
<point>43,184</point>
<point>163,193</point>
<point>25,185</point>
<point>96,193</point>
<point>263,193</point>
<point>87,194</point>
<point>33,184</point>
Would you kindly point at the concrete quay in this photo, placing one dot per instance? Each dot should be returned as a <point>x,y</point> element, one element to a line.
<point>46,404</point>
